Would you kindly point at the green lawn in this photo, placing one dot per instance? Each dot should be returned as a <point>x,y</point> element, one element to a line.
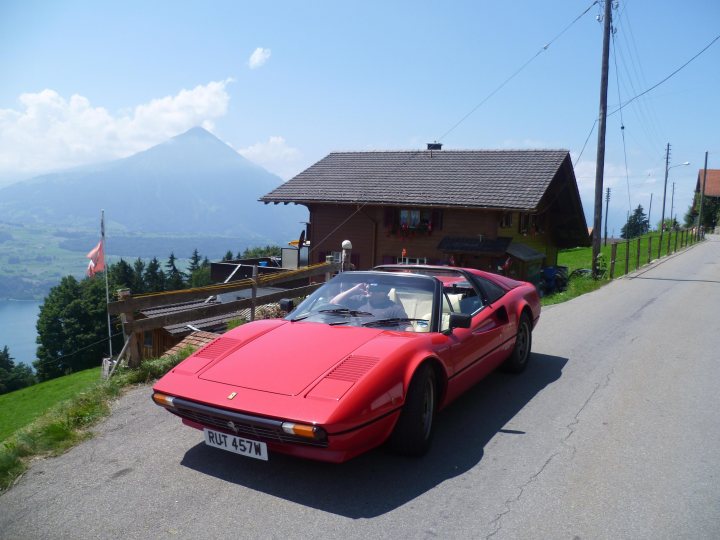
<point>581,257</point>
<point>626,254</point>
<point>55,415</point>
<point>20,408</point>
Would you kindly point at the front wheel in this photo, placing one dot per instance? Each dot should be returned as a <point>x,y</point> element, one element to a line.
<point>414,430</point>
<point>518,360</point>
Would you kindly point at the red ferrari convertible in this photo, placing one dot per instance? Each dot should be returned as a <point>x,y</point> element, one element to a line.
<point>367,359</point>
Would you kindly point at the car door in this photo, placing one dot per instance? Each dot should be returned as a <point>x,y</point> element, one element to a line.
<point>475,349</point>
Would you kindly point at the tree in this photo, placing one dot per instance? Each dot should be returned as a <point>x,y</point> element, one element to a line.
<point>670,224</point>
<point>195,259</point>
<point>175,279</point>
<point>138,279</point>
<point>200,277</point>
<point>229,256</point>
<point>154,276</point>
<point>710,211</point>
<point>637,224</point>
<point>690,216</point>
<point>256,252</point>
<point>13,376</point>
<point>122,275</point>
<point>72,328</point>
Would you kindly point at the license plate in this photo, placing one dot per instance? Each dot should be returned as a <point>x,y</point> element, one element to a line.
<point>231,443</point>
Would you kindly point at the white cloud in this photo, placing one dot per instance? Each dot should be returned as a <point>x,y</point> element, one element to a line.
<point>274,155</point>
<point>51,132</point>
<point>259,57</point>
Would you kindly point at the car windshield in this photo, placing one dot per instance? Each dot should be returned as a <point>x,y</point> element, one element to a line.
<point>372,299</point>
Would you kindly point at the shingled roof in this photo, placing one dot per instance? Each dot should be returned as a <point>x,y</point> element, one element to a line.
<point>504,179</point>
<point>712,182</point>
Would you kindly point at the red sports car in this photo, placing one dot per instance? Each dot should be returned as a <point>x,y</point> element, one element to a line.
<point>367,359</point>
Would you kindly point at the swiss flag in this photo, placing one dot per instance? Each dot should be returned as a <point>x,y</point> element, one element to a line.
<point>97,260</point>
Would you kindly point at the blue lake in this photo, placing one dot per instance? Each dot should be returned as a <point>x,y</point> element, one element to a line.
<point>17,328</point>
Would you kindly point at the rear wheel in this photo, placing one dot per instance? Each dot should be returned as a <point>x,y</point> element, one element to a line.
<point>518,360</point>
<point>414,429</point>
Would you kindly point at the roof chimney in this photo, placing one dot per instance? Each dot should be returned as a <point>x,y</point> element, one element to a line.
<point>434,146</point>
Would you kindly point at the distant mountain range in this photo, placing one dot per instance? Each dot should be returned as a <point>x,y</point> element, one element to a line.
<point>193,184</point>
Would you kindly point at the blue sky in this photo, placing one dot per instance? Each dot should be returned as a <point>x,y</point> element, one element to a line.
<point>285,83</point>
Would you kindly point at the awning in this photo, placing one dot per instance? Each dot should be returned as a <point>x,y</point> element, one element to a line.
<point>474,244</point>
<point>524,253</point>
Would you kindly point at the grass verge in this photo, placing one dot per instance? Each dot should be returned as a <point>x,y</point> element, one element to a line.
<point>20,408</point>
<point>66,422</point>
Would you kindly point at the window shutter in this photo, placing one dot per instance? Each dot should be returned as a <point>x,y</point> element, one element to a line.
<point>437,219</point>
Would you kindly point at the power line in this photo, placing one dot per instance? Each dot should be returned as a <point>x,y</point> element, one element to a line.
<point>515,74</point>
<point>622,129</point>
<point>666,78</point>
<point>586,141</point>
<point>416,153</point>
<point>57,360</point>
<point>645,112</point>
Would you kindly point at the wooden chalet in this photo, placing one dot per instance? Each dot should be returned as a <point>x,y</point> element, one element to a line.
<point>497,210</point>
<point>711,182</point>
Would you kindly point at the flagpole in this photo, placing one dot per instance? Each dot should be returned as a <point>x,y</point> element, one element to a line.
<point>107,287</point>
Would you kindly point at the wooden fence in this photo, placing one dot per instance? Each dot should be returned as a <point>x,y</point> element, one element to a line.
<point>630,251</point>
<point>128,305</point>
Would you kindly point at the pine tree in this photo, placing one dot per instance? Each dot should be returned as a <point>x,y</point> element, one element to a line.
<point>72,328</point>
<point>138,283</point>
<point>13,376</point>
<point>195,259</point>
<point>175,279</point>
<point>154,276</point>
<point>637,224</point>
<point>122,275</point>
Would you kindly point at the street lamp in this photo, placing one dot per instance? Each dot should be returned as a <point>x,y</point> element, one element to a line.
<point>662,219</point>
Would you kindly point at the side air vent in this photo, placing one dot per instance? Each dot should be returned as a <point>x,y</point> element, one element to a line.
<point>218,348</point>
<point>352,368</point>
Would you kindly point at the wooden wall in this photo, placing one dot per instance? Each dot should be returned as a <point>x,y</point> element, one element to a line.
<point>374,241</point>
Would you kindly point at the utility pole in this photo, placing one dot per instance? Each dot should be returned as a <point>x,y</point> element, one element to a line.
<point>662,219</point>
<point>702,193</point>
<point>650,210</point>
<point>672,206</point>
<point>607,207</point>
<point>600,166</point>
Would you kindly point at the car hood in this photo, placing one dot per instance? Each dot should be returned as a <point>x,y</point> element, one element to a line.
<point>286,359</point>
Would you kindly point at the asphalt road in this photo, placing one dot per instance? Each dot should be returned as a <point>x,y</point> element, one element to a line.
<point>612,432</point>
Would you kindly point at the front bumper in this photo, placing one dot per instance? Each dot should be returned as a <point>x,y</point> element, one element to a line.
<point>330,447</point>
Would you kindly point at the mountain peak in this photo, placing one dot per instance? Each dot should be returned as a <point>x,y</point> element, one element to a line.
<point>196,132</point>
<point>193,183</point>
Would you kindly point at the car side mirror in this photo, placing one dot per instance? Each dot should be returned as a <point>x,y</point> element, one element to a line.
<point>287,305</point>
<point>460,320</point>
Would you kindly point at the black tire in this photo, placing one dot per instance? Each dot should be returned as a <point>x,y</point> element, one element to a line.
<point>518,360</point>
<point>414,430</point>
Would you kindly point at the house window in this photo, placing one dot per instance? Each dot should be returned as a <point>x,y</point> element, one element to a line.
<point>531,224</point>
<point>415,218</point>
<point>506,220</point>
<point>419,218</point>
<point>411,260</point>
<point>409,221</point>
<point>410,218</point>
<point>524,224</point>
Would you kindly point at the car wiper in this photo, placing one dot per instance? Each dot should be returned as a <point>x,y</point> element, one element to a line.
<point>346,311</point>
<point>393,320</point>
<point>301,317</point>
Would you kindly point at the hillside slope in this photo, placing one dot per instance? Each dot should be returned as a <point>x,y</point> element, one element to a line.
<point>192,184</point>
